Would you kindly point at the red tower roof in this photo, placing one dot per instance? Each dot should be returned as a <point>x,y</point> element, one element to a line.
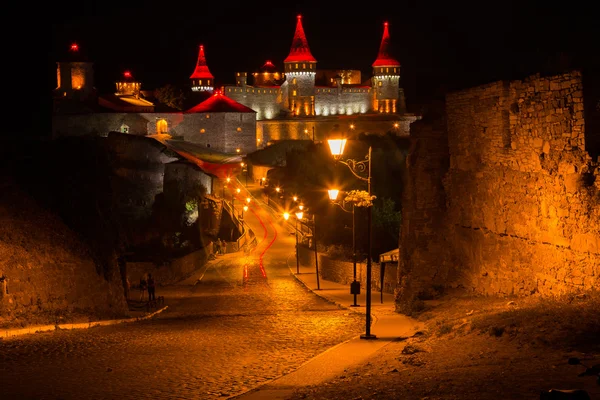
<point>384,59</point>
<point>201,70</point>
<point>218,102</point>
<point>299,50</point>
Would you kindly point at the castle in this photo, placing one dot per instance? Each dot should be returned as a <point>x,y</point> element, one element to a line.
<point>300,102</point>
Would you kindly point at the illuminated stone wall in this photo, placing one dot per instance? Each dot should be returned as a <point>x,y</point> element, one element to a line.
<point>342,101</point>
<point>265,101</point>
<point>295,129</point>
<point>224,132</point>
<point>49,273</point>
<point>519,209</point>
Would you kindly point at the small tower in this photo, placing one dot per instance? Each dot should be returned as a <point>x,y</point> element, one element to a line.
<point>300,69</point>
<point>128,86</point>
<point>202,80</point>
<point>387,96</point>
<point>75,76</point>
<point>241,79</point>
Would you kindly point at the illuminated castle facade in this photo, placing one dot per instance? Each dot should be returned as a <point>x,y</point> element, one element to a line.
<point>295,92</point>
<point>300,103</point>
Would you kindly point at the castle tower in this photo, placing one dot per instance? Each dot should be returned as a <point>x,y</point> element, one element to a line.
<point>202,79</point>
<point>75,76</point>
<point>128,86</point>
<point>387,95</point>
<point>300,69</point>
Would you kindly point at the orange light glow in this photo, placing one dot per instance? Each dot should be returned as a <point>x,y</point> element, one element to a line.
<point>127,74</point>
<point>74,47</point>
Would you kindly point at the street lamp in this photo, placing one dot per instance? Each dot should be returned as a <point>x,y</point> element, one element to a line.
<point>356,167</point>
<point>355,285</point>
<point>246,169</point>
<point>238,190</point>
<point>299,215</point>
<point>244,209</point>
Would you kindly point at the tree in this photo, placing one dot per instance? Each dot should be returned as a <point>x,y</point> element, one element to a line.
<point>171,96</point>
<point>386,224</point>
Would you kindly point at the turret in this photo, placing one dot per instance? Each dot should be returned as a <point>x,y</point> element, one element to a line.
<point>202,79</point>
<point>387,95</point>
<point>75,76</point>
<point>128,85</point>
<point>300,69</point>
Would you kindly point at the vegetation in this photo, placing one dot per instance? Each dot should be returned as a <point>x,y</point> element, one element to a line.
<point>171,96</point>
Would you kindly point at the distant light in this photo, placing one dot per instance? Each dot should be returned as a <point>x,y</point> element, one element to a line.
<point>286,215</point>
<point>127,74</point>
<point>74,47</point>
<point>299,214</point>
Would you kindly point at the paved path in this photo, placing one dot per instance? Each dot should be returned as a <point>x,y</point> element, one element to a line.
<point>243,321</point>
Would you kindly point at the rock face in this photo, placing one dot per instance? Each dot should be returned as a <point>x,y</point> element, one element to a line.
<point>502,197</point>
<point>49,274</point>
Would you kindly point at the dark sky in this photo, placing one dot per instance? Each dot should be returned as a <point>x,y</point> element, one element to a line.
<point>441,45</point>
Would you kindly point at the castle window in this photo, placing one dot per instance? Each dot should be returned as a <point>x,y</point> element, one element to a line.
<point>229,90</point>
<point>296,66</point>
<point>304,66</point>
<point>124,128</point>
<point>379,83</point>
<point>238,74</point>
<point>387,70</point>
<point>200,82</point>
<point>202,130</point>
<point>294,81</point>
<point>293,93</point>
<point>162,126</point>
<point>239,129</point>
<point>310,65</point>
<point>207,116</point>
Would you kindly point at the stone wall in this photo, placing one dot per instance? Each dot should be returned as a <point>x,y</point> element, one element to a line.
<point>521,194</point>
<point>343,271</point>
<point>137,173</point>
<point>49,275</point>
<point>343,101</point>
<point>302,129</point>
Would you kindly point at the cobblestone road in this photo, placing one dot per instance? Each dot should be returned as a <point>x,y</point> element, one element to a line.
<point>246,322</point>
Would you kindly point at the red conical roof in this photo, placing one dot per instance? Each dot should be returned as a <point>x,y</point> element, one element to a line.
<point>384,59</point>
<point>201,70</point>
<point>299,50</point>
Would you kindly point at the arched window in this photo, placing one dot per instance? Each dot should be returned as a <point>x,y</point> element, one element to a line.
<point>124,128</point>
<point>162,126</point>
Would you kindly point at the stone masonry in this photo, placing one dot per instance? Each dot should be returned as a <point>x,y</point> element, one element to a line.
<point>513,207</point>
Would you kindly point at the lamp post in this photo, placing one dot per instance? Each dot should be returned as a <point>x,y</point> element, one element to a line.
<point>299,215</point>
<point>356,167</point>
<point>355,285</point>
<point>244,209</point>
<point>238,190</point>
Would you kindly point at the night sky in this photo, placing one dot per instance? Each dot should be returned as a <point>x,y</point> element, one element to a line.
<point>441,45</point>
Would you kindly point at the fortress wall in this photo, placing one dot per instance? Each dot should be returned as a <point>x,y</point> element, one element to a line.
<point>521,194</point>
<point>97,124</point>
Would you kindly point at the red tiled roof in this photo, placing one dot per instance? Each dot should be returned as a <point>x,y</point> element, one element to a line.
<point>299,50</point>
<point>384,58</point>
<point>220,103</point>
<point>201,70</point>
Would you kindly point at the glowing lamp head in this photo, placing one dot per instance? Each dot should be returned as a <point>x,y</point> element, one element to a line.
<point>295,198</point>
<point>299,214</point>
<point>237,150</point>
<point>396,125</point>
<point>248,200</point>
<point>351,126</point>
<point>277,189</point>
<point>336,146</point>
<point>301,207</point>
<point>286,216</point>
<point>228,179</point>
<point>333,194</point>
<point>245,208</point>
<point>238,190</point>
<point>263,179</point>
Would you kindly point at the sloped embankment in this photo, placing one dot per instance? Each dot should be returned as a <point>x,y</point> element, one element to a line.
<point>49,273</point>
